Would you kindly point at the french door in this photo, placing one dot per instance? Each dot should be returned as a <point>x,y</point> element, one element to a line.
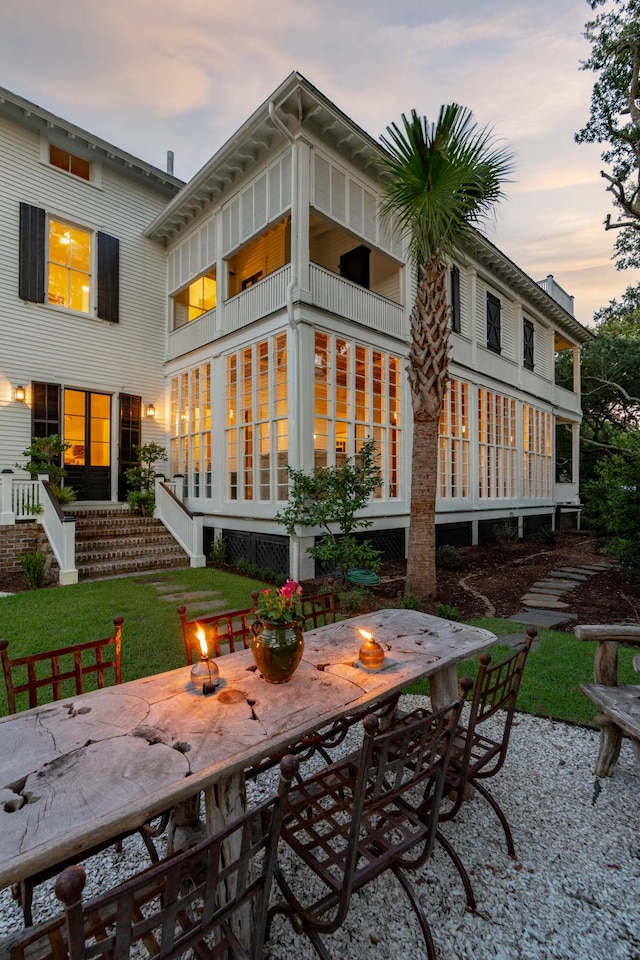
<point>87,430</point>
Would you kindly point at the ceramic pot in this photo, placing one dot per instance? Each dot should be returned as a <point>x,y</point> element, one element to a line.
<point>277,649</point>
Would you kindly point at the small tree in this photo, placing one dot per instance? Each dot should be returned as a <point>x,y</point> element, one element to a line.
<point>141,478</point>
<point>330,497</point>
<point>45,456</point>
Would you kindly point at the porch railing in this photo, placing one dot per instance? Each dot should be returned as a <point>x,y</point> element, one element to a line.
<point>185,526</point>
<point>19,499</point>
<point>349,300</point>
<point>60,529</point>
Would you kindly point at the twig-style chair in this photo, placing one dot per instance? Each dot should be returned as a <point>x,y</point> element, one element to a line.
<point>474,756</point>
<point>349,823</point>
<point>196,900</point>
<point>61,673</point>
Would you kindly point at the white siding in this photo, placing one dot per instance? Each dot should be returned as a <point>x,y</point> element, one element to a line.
<point>46,343</point>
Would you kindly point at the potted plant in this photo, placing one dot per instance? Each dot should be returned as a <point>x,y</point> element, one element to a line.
<point>277,644</point>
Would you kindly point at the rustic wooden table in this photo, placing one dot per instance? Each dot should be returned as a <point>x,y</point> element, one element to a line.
<point>85,769</point>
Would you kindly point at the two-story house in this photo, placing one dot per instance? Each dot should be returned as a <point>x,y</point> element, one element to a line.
<point>260,313</point>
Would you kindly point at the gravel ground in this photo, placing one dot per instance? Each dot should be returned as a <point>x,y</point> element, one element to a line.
<point>573,893</point>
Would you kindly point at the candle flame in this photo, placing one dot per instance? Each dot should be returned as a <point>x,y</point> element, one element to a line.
<point>365,634</point>
<point>202,640</point>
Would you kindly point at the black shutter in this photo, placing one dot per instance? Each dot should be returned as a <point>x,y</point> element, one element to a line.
<point>130,437</point>
<point>45,409</point>
<point>108,278</point>
<point>31,257</point>
<point>493,323</point>
<point>354,265</point>
<point>455,300</point>
<point>527,340</point>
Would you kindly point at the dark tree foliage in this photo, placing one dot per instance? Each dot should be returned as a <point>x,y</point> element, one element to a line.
<point>614,118</point>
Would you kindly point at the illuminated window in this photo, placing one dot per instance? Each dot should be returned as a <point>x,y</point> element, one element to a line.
<point>256,427</point>
<point>356,395</point>
<point>497,438</point>
<point>453,465</point>
<point>198,298</point>
<point>536,479</point>
<point>190,427</point>
<point>69,267</point>
<point>69,162</point>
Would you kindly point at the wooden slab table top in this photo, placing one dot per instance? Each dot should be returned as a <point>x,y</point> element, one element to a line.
<point>82,770</point>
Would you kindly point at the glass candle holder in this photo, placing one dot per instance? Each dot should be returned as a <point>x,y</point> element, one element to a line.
<point>205,672</point>
<point>371,653</point>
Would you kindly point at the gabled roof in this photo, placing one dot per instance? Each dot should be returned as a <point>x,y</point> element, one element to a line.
<point>84,144</point>
<point>296,103</point>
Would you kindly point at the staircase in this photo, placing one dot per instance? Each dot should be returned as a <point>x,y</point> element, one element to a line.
<point>112,541</point>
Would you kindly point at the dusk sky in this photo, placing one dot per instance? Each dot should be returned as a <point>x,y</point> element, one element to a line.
<point>155,75</point>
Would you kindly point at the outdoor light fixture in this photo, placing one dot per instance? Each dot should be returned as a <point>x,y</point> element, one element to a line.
<point>20,394</point>
<point>151,410</point>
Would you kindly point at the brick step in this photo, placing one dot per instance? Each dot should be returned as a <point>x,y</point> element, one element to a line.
<point>134,539</point>
<point>140,555</point>
<point>103,525</point>
<point>124,567</point>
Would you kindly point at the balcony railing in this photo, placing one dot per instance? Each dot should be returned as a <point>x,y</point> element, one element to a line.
<point>347,299</point>
<point>257,301</point>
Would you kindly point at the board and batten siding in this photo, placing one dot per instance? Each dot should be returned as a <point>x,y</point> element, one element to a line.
<point>52,344</point>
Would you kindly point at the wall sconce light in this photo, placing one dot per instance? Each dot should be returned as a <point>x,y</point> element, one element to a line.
<point>20,394</point>
<point>151,411</point>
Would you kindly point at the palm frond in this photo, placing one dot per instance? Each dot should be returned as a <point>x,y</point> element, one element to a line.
<point>440,179</point>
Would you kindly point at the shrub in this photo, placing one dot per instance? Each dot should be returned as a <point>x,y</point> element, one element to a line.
<point>33,565</point>
<point>506,531</point>
<point>141,478</point>
<point>218,552</point>
<point>448,557</point>
<point>549,535</point>
<point>405,603</point>
<point>447,611</point>
<point>354,600</point>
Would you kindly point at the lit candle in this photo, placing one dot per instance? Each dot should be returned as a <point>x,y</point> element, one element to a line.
<point>371,653</point>
<point>205,671</point>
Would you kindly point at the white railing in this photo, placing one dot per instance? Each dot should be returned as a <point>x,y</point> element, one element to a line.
<point>19,499</point>
<point>347,299</point>
<point>184,526</point>
<point>257,301</point>
<point>192,335</point>
<point>61,532</point>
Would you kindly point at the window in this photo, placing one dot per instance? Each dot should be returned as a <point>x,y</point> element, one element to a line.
<point>527,343</point>
<point>198,298</point>
<point>356,395</point>
<point>496,445</point>
<point>454,276</point>
<point>453,466</point>
<point>493,323</point>
<point>536,453</point>
<point>68,267</point>
<point>55,265</point>
<point>256,425</point>
<point>69,162</point>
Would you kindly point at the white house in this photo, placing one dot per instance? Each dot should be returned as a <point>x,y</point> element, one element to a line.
<point>260,312</point>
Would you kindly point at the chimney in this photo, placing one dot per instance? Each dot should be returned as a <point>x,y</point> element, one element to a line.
<point>170,162</point>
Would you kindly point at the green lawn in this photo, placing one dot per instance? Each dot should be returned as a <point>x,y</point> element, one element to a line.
<point>39,620</point>
<point>554,671</point>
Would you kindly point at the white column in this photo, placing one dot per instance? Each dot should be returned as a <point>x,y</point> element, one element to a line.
<point>7,516</point>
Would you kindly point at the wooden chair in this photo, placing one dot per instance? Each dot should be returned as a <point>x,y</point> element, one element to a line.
<point>62,673</point>
<point>230,630</point>
<point>208,899</point>
<point>350,822</point>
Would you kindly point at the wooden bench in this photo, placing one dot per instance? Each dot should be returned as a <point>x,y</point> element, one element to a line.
<point>230,630</point>
<point>619,705</point>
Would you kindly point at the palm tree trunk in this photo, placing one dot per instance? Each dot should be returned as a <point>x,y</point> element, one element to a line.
<point>428,374</point>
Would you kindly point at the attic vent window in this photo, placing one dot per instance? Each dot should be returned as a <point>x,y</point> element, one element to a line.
<point>69,162</point>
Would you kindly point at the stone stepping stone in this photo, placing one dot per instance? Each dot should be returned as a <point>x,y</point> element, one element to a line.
<point>567,574</point>
<point>203,609</point>
<point>545,586</point>
<point>163,587</point>
<point>596,567</point>
<point>542,618</point>
<point>185,596</point>
<point>555,583</point>
<point>545,602</point>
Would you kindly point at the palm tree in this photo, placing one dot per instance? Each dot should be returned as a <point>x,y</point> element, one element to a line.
<point>438,181</point>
